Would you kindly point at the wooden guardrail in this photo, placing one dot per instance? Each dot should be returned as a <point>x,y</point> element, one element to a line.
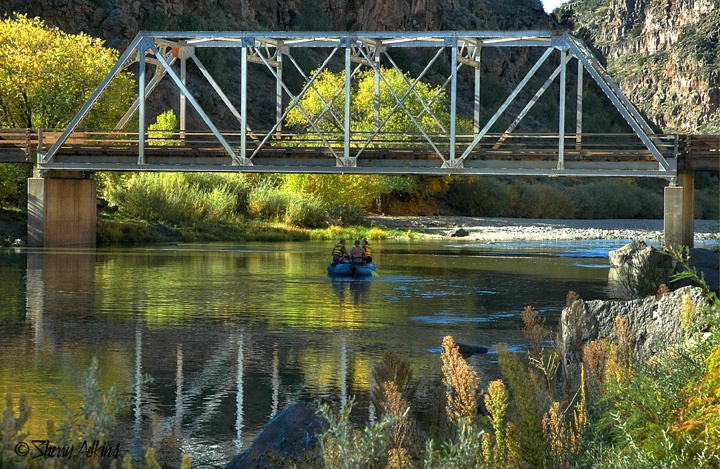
<point>695,152</point>
<point>700,153</point>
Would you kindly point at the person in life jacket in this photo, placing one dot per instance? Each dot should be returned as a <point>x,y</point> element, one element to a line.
<point>357,254</point>
<point>368,250</point>
<point>339,253</point>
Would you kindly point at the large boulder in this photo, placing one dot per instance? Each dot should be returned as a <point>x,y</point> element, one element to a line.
<point>290,437</point>
<point>638,268</point>
<point>652,324</point>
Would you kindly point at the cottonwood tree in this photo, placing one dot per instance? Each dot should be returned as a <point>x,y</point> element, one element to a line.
<point>324,104</point>
<point>46,75</point>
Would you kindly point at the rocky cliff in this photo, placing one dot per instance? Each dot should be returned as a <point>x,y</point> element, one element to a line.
<point>664,54</point>
<point>118,21</point>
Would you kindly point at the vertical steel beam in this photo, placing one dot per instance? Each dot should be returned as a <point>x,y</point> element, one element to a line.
<point>183,99</point>
<point>453,100</point>
<point>196,105</point>
<point>507,102</point>
<point>141,104</point>
<point>579,109</point>
<point>243,102</point>
<point>561,112</point>
<point>279,92</point>
<point>376,98</point>
<point>348,57</point>
<point>476,100</point>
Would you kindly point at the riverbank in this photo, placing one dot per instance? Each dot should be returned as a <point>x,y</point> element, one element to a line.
<point>518,229</point>
<point>13,225</point>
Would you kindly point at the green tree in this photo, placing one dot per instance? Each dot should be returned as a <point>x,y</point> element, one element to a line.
<point>46,75</point>
<point>327,113</point>
<point>324,106</point>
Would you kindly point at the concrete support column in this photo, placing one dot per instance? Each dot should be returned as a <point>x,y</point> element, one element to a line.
<point>686,180</point>
<point>62,211</point>
<point>672,220</point>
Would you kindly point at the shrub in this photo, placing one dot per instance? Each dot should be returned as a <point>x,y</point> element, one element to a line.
<point>267,202</point>
<point>176,198</point>
<point>346,214</point>
<point>306,212</point>
<point>480,197</point>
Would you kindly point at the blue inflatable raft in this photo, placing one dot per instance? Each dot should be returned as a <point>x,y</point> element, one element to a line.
<point>351,270</point>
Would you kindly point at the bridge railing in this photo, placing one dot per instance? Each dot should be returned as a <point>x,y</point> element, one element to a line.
<point>184,147</point>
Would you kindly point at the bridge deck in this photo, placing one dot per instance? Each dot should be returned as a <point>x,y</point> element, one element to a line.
<point>200,151</point>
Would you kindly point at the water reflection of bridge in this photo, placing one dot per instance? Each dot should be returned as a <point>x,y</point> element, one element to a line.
<point>431,145</point>
<point>231,369</point>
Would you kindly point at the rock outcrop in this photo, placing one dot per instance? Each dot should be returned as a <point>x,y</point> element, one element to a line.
<point>663,54</point>
<point>638,268</point>
<point>118,21</point>
<point>652,324</point>
<point>289,438</point>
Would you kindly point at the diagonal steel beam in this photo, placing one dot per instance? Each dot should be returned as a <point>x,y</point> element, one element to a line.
<point>505,105</point>
<point>156,79</point>
<point>221,93</point>
<point>119,66</point>
<point>613,92</point>
<point>527,107</point>
<point>295,102</point>
<point>183,89</point>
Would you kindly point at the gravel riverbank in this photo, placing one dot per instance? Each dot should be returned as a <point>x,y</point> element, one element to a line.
<point>514,229</point>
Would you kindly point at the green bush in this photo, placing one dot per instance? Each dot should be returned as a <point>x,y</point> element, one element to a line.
<point>177,198</point>
<point>306,213</point>
<point>346,215</point>
<point>267,202</point>
<point>480,197</point>
<point>13,184</point>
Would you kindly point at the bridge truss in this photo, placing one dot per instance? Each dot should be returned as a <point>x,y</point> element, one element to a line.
<point>438,148</point>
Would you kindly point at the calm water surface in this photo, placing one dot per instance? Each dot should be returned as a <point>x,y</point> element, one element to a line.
<point>210,341</point>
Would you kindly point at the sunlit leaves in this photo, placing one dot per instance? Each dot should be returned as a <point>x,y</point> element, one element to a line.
<point>405,105</point>
<point>46,75</point>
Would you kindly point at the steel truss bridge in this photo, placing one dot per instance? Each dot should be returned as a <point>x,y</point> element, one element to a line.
<point>438,148</point>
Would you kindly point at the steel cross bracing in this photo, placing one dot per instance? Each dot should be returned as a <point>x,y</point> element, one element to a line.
<point>441,149</point>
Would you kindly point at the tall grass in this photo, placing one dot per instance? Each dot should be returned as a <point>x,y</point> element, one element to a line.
<point>615,411</point>
<point>180,198</point>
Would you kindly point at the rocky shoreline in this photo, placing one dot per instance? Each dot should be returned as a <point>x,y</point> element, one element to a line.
<point>707,232</point>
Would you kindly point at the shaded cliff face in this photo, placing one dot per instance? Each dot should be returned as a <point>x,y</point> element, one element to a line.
<point>663,53</point>
<point>118,21</point>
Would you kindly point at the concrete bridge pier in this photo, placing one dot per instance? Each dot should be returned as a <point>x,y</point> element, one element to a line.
<point>62,210</point>
<point>679,217</point>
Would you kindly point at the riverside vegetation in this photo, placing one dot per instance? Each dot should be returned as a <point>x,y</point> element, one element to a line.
<point>618,411</point>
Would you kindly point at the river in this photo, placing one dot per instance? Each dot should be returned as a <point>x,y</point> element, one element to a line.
<point>210,341</point>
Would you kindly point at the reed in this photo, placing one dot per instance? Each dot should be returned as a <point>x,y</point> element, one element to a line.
<point>461,383</point>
